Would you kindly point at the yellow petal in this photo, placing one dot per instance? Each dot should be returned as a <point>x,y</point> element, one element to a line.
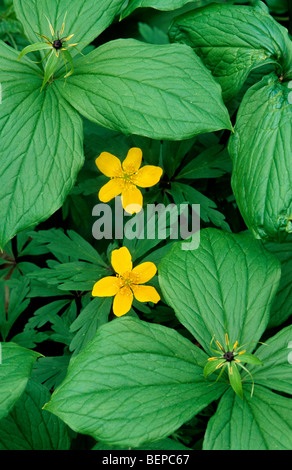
<point>133,160</point>
<point>123,301</point>
<point>143,273</point>
<point>122,260</point>
<point>109,165</point>
<point>110,190</point>
<point>132,199</point>
<point>146,294</point>
<point>106,287</point>
<point>148,176</point>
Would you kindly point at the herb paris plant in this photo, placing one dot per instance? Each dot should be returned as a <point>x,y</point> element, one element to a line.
<point>39,174</point>
<point>214,302</point>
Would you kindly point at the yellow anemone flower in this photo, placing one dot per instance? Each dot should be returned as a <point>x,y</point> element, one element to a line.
<point>127,282</point>
<point>125,177</point>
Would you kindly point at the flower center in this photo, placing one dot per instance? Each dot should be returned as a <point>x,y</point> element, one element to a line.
<point>228,356</point>
<point>57,44</point>
<point>127,279</point>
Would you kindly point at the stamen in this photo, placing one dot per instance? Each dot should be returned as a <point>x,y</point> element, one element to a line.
<point>219,345</point>
<point>220,365</point>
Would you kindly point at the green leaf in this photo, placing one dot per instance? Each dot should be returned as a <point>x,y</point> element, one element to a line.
<point>28,427</point>
<point>47,313</point>
<point>159,91</point>
<point>67,247</point>
<point>261,153</point>
<point>41,146</point>
<point>244,38</point>
<point>91,317</point>
<point>51,371</point>
<point>260,422</point>
<point>15,297</point>
<point>134,382</point>
<point>225,285</point>
<point>157,4</point>
<point>152,34</point>
<point>277,370</point>
<point>165,444</point>
<point>86,20</point>
<point>208,208</point>
<point>211,163</point>
<point>173,153</point>
<point>78,275</point>
<point>15,369</point>
<point>8,27</point>
<point>282,305</point>
<point>278,6</point>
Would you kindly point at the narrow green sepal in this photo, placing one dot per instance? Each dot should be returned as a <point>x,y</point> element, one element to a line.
<point>50,68</point>
<point>68,57</point>
<point>250,359</point>
<point>38,46</point>
<point>235,379</point>
<point>211,366</point>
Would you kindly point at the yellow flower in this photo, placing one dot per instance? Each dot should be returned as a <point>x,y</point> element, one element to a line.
<point>126,177</point>
<point>127,283</point>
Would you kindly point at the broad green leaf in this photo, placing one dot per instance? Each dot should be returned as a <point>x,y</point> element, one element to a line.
<point>164,444</point>
<point>9,27</point>
<point>244,38</point>
<point>159,91</point>
<point>260,422</point>
<point>157,4</point>
<point>277,370</point>
<point>134,382</point>
<point>86,20</point>
<point>152,34</point>
<point>226,285</point>
<point>261,154</point>
<point>28,427</point>
<point>282,305</point>
<point>15,369</point>
<point>278,6</point>
<point>41,148</point>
